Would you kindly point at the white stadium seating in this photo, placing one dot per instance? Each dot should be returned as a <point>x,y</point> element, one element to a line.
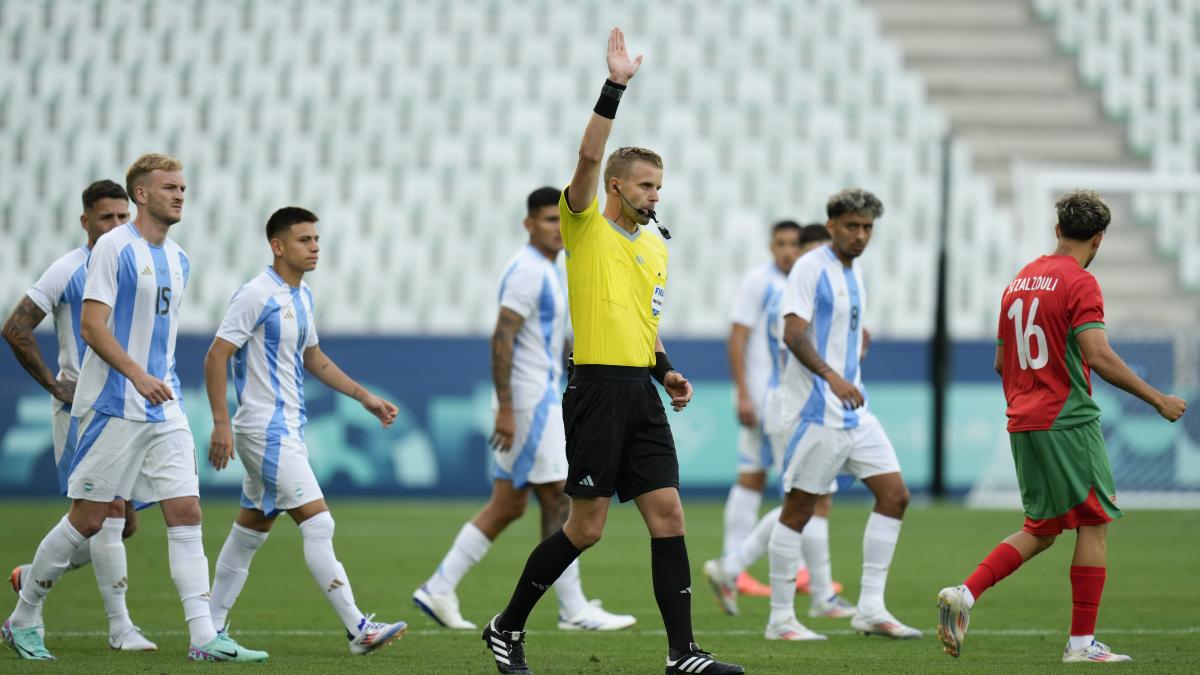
<point>1144,56</point>
<point>415,130</point>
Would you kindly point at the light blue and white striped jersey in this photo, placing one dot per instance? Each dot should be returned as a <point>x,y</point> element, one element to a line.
<point>832,298</point>
<point>59,293</point>
<point>144,285</point>
<point>533,287</point>
<point>271,324</point>
<point>758,294</point>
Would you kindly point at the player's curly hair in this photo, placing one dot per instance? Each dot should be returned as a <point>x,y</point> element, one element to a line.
<point>146,164</point>
<point>622,158</point>
<point>1082,214</point>
<point>853,200</point>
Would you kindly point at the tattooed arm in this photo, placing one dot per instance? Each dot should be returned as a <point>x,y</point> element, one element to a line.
<point>18,332</point>
<point>504,338</point>
<point>795,336</point>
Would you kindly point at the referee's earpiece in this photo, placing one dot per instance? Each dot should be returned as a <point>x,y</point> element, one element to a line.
<point>649,213</point>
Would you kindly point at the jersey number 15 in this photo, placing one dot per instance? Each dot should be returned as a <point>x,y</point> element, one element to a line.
<point>1029,333</point>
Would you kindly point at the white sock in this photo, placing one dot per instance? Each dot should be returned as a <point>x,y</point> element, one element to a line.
<point>189,571</point>
<point>815,543</point>
<point>49,564</point>
<point>754,546</point>
<point>968,596</point>
<point>741,511</point>
<point>108,556</point>
<point>570,591</point>
<point>783,550</point>
<point>1081,641</point>
<point>81,557</point>
<point>879,544</point>
<point>233,566</point>
<point>329,574</point>
<point>469,547</point>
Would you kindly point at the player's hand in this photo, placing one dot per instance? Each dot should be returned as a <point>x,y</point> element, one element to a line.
<point>382,409</point>
<point>64,390</point>
<point>745,411</point>
<point>1171,407</point>
<point>679,389</point>
<point>849,394</point>
<point>620,68</point>
<point>220,445</point>
<point>153,389</point>
<point>505,430</point>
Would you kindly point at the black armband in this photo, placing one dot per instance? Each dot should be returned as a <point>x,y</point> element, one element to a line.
<point>610,96</point>
<point>662,366</point>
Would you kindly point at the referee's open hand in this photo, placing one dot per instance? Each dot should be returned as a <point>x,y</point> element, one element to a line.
<point>679,389</point>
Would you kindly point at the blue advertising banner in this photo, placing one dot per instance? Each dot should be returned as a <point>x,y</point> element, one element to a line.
<point>438,445</point>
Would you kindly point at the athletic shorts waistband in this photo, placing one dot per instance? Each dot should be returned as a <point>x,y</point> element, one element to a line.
<point>584,373</point>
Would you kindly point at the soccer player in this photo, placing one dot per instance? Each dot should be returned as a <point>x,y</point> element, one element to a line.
<point>59,293</point>
<point>1051,336</point>
<point>754,365</point>
<point>618,437</point>
<point>828,425</point>
<point>270,332</point>
<point>529,441</point>
<point>133,440</point>
<point>727,575</point>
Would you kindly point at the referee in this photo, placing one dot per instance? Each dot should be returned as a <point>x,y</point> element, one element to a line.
<point>618,438</point>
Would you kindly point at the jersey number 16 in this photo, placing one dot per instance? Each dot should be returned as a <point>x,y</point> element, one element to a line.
<point>1027,334</point>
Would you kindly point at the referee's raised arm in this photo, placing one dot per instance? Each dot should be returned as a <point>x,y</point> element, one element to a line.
<point>621,69</point>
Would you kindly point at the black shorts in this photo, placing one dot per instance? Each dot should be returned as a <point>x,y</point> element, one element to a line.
<point>618,437</point>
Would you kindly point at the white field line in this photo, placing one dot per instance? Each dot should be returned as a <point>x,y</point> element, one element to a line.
<point>428,632</point>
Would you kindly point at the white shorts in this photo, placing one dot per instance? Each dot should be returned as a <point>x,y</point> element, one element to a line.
<point>64,429</point>
<point>754,450</point>
<point>278,475</point>
<point>539,451</point>
<point>113,457</point>
<point>816,454</point>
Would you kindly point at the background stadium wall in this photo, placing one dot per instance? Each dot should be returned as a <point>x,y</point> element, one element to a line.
<point>437,446</point>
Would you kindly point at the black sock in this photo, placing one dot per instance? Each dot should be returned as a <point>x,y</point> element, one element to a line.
<point>544,567</point>
<point>673,589</point>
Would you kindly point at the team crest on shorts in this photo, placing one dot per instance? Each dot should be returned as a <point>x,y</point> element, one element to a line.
<point>299,490</point>
<point>88,485</point>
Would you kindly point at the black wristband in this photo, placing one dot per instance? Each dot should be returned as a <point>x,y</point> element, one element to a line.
<point>662,366</point>
<point>610,96</point>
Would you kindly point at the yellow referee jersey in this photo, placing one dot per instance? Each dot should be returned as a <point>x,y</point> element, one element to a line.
<point>616,283</point>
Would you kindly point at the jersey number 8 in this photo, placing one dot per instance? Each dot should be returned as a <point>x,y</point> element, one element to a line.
<point>1028,333</point>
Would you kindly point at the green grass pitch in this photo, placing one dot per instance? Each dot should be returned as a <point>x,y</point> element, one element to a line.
<point>1151,607</point>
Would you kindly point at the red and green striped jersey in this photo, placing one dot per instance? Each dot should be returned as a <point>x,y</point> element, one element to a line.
<point>1047,382</point>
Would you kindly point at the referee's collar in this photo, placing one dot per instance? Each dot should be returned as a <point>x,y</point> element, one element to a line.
<point>625,233</point>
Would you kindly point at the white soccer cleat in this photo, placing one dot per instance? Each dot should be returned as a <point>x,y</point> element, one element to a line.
<point>374,635</point>
<point>131,639</point>
<point>1097,652</point>
<point>836,607</point>
<point>441,608</point>
<point>725,589</point>
<point>953,617</point>
<point>884,624</point>
<point>792,631</point>
<point>19,574</point>
<point>593,617</point>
